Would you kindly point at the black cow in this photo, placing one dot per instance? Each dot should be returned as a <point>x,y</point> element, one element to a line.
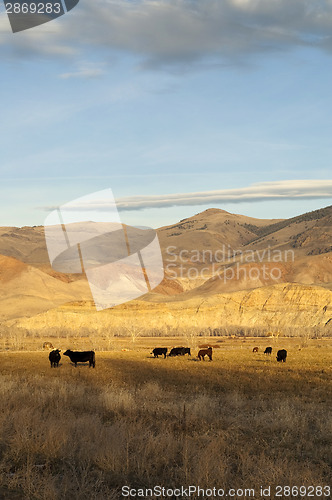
<point>268,350</point>
<point>282,355</point>
<point>180,351</point>
<point>81,357</point>
<point>159,351</point>
<point>54,357</point>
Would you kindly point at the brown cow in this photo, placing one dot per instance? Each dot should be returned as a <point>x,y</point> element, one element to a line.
<point>205,352</point>
<point>255,349</point>
<point>48,345</point>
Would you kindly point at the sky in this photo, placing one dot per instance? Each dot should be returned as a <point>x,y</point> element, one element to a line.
<point>177,106</point>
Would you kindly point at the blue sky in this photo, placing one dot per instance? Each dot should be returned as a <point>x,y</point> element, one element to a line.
<point>164,97</point>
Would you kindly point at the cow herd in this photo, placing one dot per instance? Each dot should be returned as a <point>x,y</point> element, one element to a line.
<point>74,356</point>
<point>281,354</point>
<point>181,351</point>
<point>175,351</point>
<point>90,357</point>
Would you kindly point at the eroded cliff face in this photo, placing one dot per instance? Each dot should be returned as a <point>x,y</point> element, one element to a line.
<point>278,306</point>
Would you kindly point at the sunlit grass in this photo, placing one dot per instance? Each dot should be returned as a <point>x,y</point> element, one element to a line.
<point>241,420</point>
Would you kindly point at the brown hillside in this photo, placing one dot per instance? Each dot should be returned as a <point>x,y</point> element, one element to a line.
<point>212,230</point>
<point>200,248</point>
<point>10,268</point>
<point>206,240</point>
<point>26,291</point>
<point>306,270</point>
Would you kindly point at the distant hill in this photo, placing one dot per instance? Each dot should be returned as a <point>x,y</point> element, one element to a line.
<point>315,216</point>
<point>24,243</point>
<point>26,291</point>
<point>211,230</point>
<point>200,254</point>
<point>308,234</point>
<point>304,270</point>
<point>214,241</point>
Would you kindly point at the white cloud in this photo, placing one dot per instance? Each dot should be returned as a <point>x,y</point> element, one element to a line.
<point>85,71</point>
<point>263,191</point>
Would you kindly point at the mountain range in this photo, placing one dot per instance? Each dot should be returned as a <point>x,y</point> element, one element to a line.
<point>207,257</point>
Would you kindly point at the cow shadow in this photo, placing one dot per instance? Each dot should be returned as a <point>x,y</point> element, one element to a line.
<point>79,364</point>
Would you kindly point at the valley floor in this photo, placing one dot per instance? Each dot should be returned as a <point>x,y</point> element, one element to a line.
<point>241,421</point>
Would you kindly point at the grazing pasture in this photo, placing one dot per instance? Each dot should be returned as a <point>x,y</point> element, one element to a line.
<point>241,421</point>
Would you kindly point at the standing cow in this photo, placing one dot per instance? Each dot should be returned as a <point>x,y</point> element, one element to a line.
<point>255,349</point>
<point>268,350</point>
<point>54,357</point>
<point>282,355</point>
<point>159,351</point>
<point>180,351</point>
<point>81,357</point>
<point>205,352</point>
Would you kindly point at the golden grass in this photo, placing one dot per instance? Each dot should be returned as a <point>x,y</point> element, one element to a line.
<point>243,420</point>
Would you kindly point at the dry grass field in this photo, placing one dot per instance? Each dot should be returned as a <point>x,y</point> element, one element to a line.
<point>240,421</point>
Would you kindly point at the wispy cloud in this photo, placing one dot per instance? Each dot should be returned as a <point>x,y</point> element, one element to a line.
<point>263,191</point>
<point>85,71</point>
<point>166,32</point>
